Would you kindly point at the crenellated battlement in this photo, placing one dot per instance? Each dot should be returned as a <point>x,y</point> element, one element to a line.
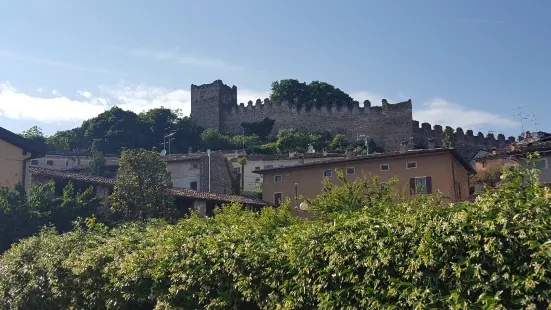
<point>466,141</point>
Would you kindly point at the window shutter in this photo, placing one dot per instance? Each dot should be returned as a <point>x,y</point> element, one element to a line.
<point>429,185</point>
<point>412,185</point>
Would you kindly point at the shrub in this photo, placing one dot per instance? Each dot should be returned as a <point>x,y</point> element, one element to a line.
<point>494,253</point>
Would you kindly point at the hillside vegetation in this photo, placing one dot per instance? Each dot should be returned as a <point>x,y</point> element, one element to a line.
<point>494,253</point>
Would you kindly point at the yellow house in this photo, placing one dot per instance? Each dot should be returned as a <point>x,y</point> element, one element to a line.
<point>15,155</point>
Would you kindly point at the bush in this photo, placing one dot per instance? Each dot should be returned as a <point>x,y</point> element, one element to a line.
<point>494,253</point>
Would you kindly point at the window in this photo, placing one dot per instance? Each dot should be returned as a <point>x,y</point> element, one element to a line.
<point>195,166</point>
<point>541,164</point>
<point>257,168</point>
<point>50,162</point>
<point>385,167</point>
<point>278,179</point>
<point>420,185</point>
<point>327,173</point>
<point>350,171</point>
<point>34,162</point>
<point>382,184</point>
<point>193,185</point>
<point>411,164</point>
<point>278,197</point>
<point>484,164</point>
<point>257,181</point>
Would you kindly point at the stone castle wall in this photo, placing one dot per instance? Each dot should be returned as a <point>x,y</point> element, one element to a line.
<point>215,106</point>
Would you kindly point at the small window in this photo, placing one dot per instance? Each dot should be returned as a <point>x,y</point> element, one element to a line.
<point>350,171</point>
<point>541,164</point>
<point>278,197</point>
<point>385,167</point>
<point>278,179</point>
<point>195,166</point>
<point>411,164</point>
<point>257,168</point>
<point>193,185</point>
<point>484,164</point>
<point>421,185</point>
<point>50,162</point>
<point>257,181</point>
<point>34,162</point>
<point>327,173</point>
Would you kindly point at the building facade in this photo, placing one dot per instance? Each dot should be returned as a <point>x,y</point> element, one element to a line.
<point>15,154</point>
<point>434,170</point>
<point>69,161</point>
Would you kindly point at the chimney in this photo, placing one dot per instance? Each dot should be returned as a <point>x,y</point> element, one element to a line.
<point>324,152</point>
<point>291,155</point>
<point>512,147</point>
<point>349,154</point>
<point>403,146</point>
<point>494,151</point>
<point>430,143</point>
<point>189,150</point>
<point>301,160</point>
<point>528,135</point>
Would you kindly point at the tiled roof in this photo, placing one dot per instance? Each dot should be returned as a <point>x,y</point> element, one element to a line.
<point>455,154</point>
<point>19,141</point>
<point>189,193</point>
<point>520,149</point>
<point>66,175</point>
<point>176,191</point>
<point>286,156</point>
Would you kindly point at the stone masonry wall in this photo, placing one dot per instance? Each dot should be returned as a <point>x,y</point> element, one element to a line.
<point>220,179</point>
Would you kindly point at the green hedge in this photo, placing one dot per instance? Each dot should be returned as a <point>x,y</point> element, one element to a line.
<point>491,254</point>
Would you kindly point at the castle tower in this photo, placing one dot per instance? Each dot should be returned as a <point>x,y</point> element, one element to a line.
<point>208,102</point>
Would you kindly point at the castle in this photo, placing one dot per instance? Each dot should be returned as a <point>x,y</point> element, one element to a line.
<point>389,125</point>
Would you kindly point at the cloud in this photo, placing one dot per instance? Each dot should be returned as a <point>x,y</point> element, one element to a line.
<point>85,94</point>
<point>48,62</point>
<point>375,98</point>
<point>174,56</point>
<point>40,89</point>
<point>18,105</point>
<point>446,113</point>
<point>55,93</point>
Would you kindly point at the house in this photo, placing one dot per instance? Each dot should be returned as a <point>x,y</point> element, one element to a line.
<point>72,160</point>
<point>516,153</point>
<point>15,154</point>
<point>185,199</point>
<point>201,171</point>
<point>258,162</point>
<point>429,170</point>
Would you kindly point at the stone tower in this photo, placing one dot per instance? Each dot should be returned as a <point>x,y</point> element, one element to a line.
<point>208,102</point>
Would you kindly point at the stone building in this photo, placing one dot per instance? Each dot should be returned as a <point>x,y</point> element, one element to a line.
<point>215,106</point>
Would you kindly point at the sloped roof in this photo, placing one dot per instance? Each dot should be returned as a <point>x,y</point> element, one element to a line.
<point>520,149</point>
<point>19,141</point>
<point>452,151</point>
<point>260,157</point>
<point>176,191</point>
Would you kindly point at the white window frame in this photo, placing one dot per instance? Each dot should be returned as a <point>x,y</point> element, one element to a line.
<point>353,170</point>
<point>387,167</point>
<point>425,178</point>
<point>411,162</point>
<point>330,173</point>
<point>280,176</point>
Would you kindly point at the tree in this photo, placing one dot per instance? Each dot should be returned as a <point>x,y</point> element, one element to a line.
<point>36,135</point>
<point>449,137</point>
<point>314,94</point>
<point>243,162</point>
<point>339,142</point>
<point>214,140</point>
<point>97,164</point>
<point>142,188</point>
<point>262,129</point>
<point>291,140</point>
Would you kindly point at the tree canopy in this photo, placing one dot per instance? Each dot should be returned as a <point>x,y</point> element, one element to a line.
<point>315,93</point>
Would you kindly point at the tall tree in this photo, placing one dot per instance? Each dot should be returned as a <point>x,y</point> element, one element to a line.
<point>36,135</point>
<point>449,137</point>
<point>142,188</point>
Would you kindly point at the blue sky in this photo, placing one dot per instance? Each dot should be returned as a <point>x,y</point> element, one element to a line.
<point>463,63</point>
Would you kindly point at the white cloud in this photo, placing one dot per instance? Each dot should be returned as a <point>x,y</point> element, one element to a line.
<point>18,105</point>
<point>55,92</point>
<point>40,89</point>
<point>446,113</point>
<point>84,93</point>
<point>177,57</point>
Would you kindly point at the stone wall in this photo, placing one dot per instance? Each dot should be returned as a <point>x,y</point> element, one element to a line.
<point>220,179</point>
<point>467,143</point>
<point>215,106</point>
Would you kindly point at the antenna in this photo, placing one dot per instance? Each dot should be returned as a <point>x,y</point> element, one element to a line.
<point>521,115</point>
<point>163,152</point>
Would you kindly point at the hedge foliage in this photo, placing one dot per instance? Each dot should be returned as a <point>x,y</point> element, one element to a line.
<point>494,253</point>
